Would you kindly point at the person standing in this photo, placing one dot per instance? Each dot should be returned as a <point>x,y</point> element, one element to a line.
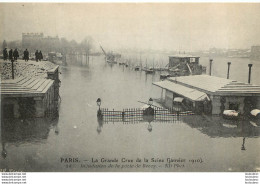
<point>5,53</point>
<point>10,54</point>
<point>36,55</point>
<point>26,55</point>
<point>16,54</point>
<point>40,55</point>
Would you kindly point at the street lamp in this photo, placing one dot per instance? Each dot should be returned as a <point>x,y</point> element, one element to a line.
<point>99,102</point>
<point>150,102</point>
<point>99,113</point>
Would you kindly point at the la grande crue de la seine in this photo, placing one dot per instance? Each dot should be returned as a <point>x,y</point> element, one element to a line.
<point>127,160</point>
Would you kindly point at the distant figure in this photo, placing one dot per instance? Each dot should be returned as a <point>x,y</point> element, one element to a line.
<point>36,55</point>
<point>10,54</point>
<point>26,55</point>
<point>40,55</point>
<point>5,53</point>
<point>16,54</point>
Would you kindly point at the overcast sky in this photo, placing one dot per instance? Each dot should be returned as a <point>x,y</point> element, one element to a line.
<point>156,26</point>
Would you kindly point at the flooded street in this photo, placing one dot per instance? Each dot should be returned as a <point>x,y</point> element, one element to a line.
<point>206,144</point>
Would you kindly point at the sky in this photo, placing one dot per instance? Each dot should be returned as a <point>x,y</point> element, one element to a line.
<point>166,26</point>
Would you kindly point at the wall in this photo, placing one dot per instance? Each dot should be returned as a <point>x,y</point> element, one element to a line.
<point>215,105</point>
<point>14,102</point>
<point>168,99</point>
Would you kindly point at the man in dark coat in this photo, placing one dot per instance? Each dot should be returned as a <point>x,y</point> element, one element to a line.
<point>5,53</point>
<point>10,54</point>
<point>16,54</point>
<point>40,55</point>
<point>36,55</point>
<point>26,55</point>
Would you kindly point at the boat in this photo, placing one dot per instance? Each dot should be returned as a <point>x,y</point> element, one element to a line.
<point>164,76</point>
<point>149,70</point>
<point>137,68</point>
<point>110,57</point>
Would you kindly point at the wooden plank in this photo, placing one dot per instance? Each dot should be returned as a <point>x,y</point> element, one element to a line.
<point>48,86</point>
<point>24,80</point>
<point>240,86</point>
<point>28,82</point>
<point>20,79</point>
<point>33,83</point>
<point>36,86</point>
<point>41,88</point>
<point>15,92</point>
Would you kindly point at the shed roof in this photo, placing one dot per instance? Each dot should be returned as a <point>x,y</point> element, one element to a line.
<point>187,92</point>
<point>25,87</point>
<point>215,84</point>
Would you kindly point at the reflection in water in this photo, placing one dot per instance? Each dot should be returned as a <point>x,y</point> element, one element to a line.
<point>100,124</point>
<point>243,145</point>
<point>218,127</point>
<point>149,128</point>
<point>19,132</point>
<point>214,127</point>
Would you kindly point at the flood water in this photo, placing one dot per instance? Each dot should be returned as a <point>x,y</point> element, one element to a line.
<point>205,143</point>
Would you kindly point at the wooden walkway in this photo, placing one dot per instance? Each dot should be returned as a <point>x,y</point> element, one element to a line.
<point>25,87</point>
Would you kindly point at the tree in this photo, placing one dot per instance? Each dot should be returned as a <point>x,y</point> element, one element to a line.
<point>87,45</point>
<point>4,45</point>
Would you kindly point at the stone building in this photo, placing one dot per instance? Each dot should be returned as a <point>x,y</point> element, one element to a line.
<point>33,41</point>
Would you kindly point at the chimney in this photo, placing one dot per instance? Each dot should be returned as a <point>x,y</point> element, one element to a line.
<point>210,66</point>
<point>249,74</point>
<point>229,63</point>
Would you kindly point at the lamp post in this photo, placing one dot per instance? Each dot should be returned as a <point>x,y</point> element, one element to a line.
<point>210,66</point>
<point>229,63</point>
<point>249,73</point>
<point>12,61</point>
<point>148,113</point>
<point>99,113</point>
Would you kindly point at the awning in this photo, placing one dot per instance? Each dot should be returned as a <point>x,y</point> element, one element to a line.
<point>191,94</point>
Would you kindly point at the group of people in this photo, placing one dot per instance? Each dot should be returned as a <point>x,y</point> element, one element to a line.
<point>13,55</point>
<point>38,56</point>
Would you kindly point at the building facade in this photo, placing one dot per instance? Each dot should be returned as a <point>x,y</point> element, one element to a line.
<point>37,41</point>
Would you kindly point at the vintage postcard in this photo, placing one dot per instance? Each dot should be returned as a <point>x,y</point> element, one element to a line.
<point>130,87</point>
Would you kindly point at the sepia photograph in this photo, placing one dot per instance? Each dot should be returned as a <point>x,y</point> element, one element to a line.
<point>130,87</point>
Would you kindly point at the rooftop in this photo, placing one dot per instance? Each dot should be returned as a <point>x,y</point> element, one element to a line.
<point>213,84</point>
<point>25,87</point>
<point>192,94</point>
